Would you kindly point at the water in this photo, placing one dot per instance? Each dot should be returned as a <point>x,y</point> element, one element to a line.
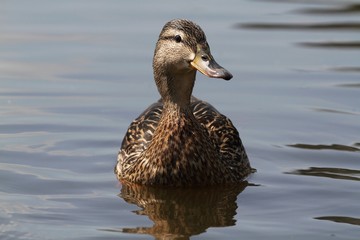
<point>75,73</point>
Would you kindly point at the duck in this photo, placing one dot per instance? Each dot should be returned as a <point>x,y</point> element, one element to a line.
<point>181,140</point>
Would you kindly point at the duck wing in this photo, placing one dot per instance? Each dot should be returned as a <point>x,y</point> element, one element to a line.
<point>221,131</point>
<point>139,134</point>
<point>223,134</point>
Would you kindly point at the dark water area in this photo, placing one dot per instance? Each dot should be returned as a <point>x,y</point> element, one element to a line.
<point>74,74</point>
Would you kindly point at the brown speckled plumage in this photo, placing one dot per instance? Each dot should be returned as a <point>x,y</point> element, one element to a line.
<point>181,140</point>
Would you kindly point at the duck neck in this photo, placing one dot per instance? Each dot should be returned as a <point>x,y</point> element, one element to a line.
<point>176,90</point>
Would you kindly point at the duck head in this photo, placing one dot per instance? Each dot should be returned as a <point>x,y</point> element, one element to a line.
<point>180,51</point>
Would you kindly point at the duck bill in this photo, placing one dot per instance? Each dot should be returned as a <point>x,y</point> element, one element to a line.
<point>207,65</point>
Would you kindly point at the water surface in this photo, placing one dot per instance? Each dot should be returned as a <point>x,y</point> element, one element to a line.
<point>74,74</point>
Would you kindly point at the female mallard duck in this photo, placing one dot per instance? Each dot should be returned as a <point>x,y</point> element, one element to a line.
<point>181,140</point>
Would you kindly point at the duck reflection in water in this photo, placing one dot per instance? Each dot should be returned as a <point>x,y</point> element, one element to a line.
<point>179,213</point>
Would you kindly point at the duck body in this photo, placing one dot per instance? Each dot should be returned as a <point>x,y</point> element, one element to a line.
<point>181,140</point>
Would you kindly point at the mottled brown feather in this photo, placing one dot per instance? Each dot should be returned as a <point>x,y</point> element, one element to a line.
<point>219,130</point>
<point>181,140</point>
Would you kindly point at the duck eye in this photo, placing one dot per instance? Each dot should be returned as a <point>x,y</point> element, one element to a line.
<point>177,38</point>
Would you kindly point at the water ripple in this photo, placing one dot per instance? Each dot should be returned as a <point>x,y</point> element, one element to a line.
<point>327,110</point>
<point>21,128</point>
<point>346,69</point>
<point>343,45</point>
<point>343,9</point>
<point>335,26</point>
<point>337,147</point>
<point>350,85</point>
<point>341,219</point>
<point>335,173</point>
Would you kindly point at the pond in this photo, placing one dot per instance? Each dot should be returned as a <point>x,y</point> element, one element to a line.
<point>74,74</point>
